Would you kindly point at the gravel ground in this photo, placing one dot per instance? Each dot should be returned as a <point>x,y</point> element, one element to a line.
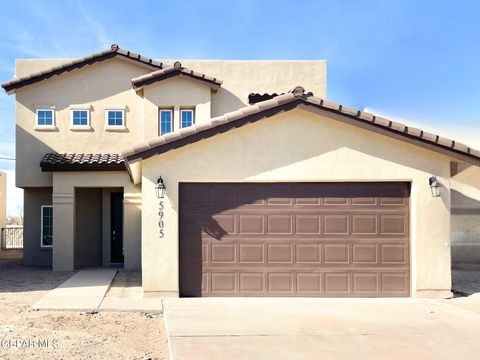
<point>28,334</point>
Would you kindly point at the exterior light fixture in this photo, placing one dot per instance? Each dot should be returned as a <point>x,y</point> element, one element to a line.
<point>160,188</point>
<point>434,186</point>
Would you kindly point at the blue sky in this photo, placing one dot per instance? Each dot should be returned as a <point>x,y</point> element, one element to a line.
<point>414,61</point>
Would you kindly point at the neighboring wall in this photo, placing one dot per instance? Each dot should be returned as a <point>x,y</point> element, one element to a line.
<point>3,199</point>
<point>465,220</point>
<point>33,253</point>
<point>88,227</point>
<point>319,149</point>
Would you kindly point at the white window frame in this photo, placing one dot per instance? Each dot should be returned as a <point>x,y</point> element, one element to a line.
<point>115,127</point>
<point>38,126</point>
<point>41,226</point>
<point>187,110</point>
<point>80,127</point>
<point>160,120</point>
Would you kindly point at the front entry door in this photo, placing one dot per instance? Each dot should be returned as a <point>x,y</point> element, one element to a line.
<point>116,221</point>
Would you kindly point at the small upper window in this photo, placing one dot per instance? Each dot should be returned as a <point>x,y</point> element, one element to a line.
<point>44,117</point>
<point>166,121</point>
<point>115,118</point>
<point>187,118</point>
<point>80,118</point>
<point>46,226</point>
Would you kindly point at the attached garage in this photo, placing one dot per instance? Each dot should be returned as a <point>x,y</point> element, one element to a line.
<point>297,196</point>
<point>294,239</point>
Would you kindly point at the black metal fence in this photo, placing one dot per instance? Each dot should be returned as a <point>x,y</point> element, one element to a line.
<point>12,238</point>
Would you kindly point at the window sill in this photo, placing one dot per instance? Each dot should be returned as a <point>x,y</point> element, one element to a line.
<point>46,128</point>
<point>116,128</point>
<point>81,128</point>
<point>46,248</point>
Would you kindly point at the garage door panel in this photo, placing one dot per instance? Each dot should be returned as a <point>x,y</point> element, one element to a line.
<point>393,224</point>
<point>252,282</point>
<point>307,224</point>
<point>310,282</point>
<point>365,283</point>
<point>308,253</point>
<point>280,253</point>
<point>251,224</point>
<point>280,282</point>
<point>251,253</point>
<point>312,239</point>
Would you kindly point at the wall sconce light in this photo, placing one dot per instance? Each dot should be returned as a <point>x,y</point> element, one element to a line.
<point>434,186</point>
<point>160,188</point>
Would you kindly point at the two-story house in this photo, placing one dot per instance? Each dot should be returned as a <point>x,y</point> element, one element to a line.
<point>225,178</point>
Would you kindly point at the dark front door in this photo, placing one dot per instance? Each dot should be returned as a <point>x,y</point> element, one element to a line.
<point>116,221</point>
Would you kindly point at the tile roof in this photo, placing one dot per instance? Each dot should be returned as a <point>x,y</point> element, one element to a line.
<point>176,70</point>
<point>299,99</point>
<point>82,162</point>
<point>254,98</point>
<point>114,51</point>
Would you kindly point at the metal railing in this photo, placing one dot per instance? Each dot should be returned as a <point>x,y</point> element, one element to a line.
<point>12,237</point>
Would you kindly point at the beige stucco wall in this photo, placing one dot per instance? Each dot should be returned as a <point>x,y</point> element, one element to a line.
<point>175,93</point>
<point>301,146</point>
<point>242,77</point>
<point>104,84</point>
<point>64,185</point>
<point>108,83</point>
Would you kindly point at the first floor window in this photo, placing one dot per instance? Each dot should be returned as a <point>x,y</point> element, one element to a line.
<point>187,117</point>
<point>166,121</point>
<point>45,117</point>
<point>115,118</point>
<point>80,117</point>
<point>47,226</point>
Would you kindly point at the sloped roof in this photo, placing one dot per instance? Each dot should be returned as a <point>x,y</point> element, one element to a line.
<point>299,99</point>
<point>176,70</point>
<point>82,162</point>
<point>114,51</point>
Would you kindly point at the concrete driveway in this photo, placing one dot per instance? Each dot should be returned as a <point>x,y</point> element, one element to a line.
<point>307,328</point>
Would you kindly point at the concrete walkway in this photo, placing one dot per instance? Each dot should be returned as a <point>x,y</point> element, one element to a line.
<point>84,291</point>
<point>309,328</point>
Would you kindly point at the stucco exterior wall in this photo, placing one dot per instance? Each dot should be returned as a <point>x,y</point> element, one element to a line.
<point>301,146</point>
<point>175,93</point>
<point>107,84</point>
<point>64,225</point>
<point>33,253</point>
<point>103,85</point>
<point>242,77</point>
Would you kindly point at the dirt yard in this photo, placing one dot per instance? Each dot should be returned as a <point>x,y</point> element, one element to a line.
<point>28,334</point>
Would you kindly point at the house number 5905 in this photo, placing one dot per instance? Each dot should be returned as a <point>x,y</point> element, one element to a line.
<point>160,222</point>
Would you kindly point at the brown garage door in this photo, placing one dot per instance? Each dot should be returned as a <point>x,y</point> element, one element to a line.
<point>302,239</point>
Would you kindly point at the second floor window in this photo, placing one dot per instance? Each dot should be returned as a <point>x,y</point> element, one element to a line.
<point>187,117</point>
<point>44,117</point>
<point>166,121</point>
<point>115,118</point>
<point>80,118</point>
